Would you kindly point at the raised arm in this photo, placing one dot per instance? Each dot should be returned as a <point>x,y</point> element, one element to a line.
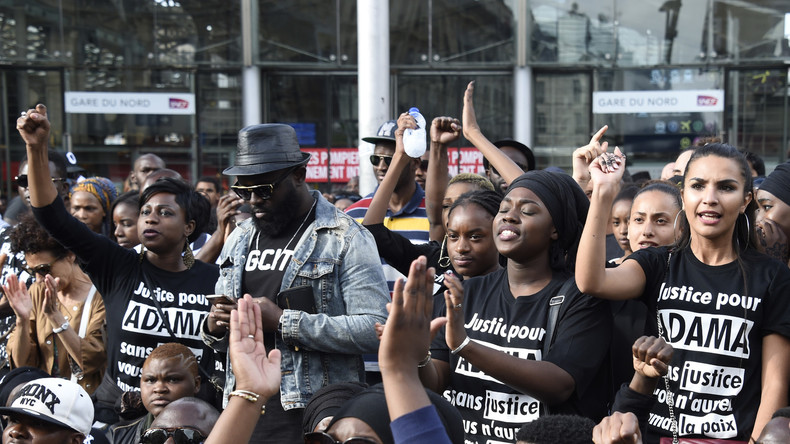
<point>257,376</point>
<point>585,155</point>
<point>444,130</point>
<point>400,160</point>
<point>626,281</point>
<point>499,160</point>
<point>33,126</point>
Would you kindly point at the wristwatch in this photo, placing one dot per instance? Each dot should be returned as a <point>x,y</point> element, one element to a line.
<point>63,327</point>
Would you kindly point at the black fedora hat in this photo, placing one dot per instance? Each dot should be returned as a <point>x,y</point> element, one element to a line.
<point>266,147</point>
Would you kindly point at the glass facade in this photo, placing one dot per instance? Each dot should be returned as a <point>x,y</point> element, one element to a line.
<point>733,53</point>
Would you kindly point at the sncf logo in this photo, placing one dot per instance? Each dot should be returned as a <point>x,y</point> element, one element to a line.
<point>179,103</point>
<point>707,101</point>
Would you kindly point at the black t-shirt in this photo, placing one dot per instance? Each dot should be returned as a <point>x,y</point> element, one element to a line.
<point>267,259</point>
<point>716,327</point>
<point>128,285</point>
<point>399,252</point>
<point>492,411</point>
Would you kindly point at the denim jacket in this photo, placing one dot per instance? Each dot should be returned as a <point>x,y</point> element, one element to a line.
<point>338,258</point>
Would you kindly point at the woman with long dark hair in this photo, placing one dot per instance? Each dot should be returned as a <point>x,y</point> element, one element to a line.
<point>718,302</point>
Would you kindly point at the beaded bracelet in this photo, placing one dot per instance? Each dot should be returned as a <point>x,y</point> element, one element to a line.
<point>249,396</point>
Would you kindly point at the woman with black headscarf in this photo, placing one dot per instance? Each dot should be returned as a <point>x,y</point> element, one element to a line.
<point>773,214</point>
<point>505,356</point>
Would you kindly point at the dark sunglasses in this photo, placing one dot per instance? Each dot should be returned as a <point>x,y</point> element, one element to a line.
<point>376,159</point>
<point>424,165</point>
<point>324,438</point>
<point>264,190</point>
<point>42,269</point>
<point>181,435</point>
<point>21,180</point>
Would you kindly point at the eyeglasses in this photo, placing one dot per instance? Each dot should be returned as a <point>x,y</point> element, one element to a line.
<point>181,435</point>
<point>21,180</point>
<point>424,165</point>
<point>264,190</point>
<point>325,438</point>
<point>42,269</point>
<point>376,159</point>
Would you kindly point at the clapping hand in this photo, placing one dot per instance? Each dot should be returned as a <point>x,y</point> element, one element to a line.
<point>19,298</point>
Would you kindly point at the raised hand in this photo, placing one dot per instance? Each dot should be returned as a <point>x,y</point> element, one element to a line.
<point>51,295</point>
<point>772,240</point>
<point>406,337</point>
<point>254,370</point>
<point>445,130</point>
<point>620,428</point>
<point>227,207</point>
<point>607,168</point>
<point>585,155</point>
<point>33,126</point>
<point>652,356</point>
<point>18,297</point>
<point>455,333</point>
<point>405,120</point>
<point>471,128</point>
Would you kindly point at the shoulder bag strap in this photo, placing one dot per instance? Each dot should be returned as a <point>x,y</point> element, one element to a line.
<point>555,304</point>
<point>86,312</point>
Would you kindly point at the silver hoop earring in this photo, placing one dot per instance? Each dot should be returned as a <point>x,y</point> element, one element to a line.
<point>748,229</point>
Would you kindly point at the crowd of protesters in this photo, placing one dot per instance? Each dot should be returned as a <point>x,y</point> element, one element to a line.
<point>519,305</point>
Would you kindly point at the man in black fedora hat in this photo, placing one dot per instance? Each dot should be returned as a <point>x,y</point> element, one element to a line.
<point>313,270</point>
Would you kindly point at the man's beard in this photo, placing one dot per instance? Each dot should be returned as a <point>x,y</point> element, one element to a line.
<point>280,220</point>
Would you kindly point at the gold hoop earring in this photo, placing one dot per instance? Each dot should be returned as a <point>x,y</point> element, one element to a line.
<point>444,261</point>
<point>188,257</point>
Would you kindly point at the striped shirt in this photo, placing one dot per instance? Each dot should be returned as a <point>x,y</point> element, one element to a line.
<point>410,222</point>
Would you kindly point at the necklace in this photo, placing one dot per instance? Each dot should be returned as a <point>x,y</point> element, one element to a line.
<point>306,216</point>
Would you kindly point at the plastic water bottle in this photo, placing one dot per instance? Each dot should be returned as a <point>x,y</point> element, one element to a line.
<point>414,139</point>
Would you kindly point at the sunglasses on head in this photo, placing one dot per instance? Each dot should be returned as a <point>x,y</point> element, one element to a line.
<point>325,438</point>
<point>21,180</point>
<point>41,269</point>
<point>181,435</point>
<point>264,190</point>
<point>376,159</point>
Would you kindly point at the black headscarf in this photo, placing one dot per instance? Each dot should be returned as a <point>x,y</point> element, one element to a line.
<point>327,401</point>
<point>567,204</point>
<point>370,407</point>
<point>778,183</point>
